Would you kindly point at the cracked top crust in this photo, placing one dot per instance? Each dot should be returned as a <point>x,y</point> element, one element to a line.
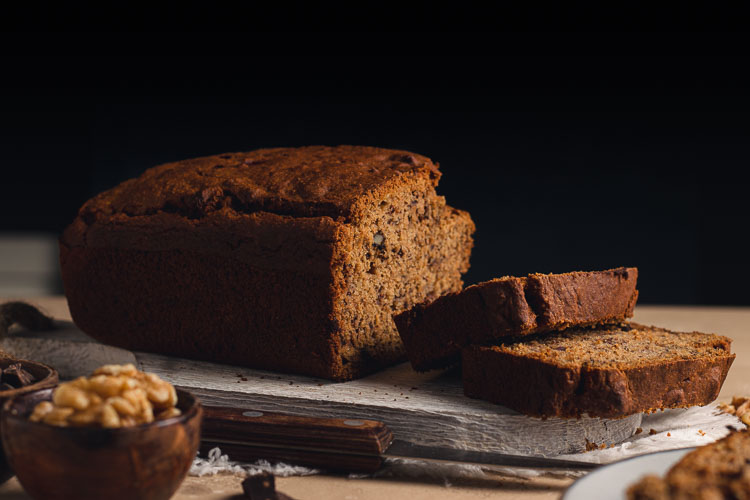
<point>307,182</point>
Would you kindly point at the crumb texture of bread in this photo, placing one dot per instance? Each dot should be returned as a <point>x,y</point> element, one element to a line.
<point>716,471</point>
<point>650,487</point>
<point>607,372</point>
<point>288,259</point>
<point>434,332</point>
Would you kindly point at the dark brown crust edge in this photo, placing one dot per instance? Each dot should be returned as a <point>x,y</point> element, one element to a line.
<point>582,298</point>
<point>541,389</point>
<point>434,333</point>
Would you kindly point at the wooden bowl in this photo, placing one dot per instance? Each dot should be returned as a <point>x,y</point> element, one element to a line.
<point>46,377</point>
<point>148,461</point>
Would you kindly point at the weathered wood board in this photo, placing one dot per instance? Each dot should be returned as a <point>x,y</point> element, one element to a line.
<point>427,408</point>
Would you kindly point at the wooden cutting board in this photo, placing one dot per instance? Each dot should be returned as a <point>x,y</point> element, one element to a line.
<point>425,408</point>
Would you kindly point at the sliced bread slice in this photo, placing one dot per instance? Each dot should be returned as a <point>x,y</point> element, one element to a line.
<point>610,371</point>
<point>717,470</point>
<point>435,332</point>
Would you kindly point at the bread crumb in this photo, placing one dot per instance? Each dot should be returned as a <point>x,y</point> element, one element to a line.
<point>701,432</point>
<point>669,434</point>
<point>652,432</point>
<point>638,431</point>
<point>593,446</point>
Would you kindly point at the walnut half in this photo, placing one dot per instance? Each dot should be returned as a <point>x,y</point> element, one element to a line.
<point>113,396</point>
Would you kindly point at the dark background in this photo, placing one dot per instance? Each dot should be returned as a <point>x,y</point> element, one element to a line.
<point>581,157</point>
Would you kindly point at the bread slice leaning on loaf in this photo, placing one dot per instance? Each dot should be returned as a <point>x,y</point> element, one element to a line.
<point>435,332</point>
<point>287,259</point>
<point>608,372</point>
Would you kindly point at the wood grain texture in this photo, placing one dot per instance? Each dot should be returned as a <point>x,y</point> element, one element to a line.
<point>732,322</point>
<point>425,408</point>
<point>329,444</point>
<point>350,436</point>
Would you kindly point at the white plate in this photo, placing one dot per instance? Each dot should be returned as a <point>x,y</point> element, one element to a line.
<point>612,481</point>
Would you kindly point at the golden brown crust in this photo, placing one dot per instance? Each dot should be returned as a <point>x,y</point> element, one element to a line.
<point>582,298</point>
<point>266,259</point>
<point>201,288</point>
<point>435,332</point>
<point>266,239</point>
<point>538,384</point>
<point>310,181</point>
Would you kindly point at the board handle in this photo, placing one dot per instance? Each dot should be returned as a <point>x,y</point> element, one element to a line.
<point>329,443</point>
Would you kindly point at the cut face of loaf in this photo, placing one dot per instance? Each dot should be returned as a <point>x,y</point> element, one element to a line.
<point>435,332</point>
<point>289,260</point>
<point>717,470</point>
<point>607,372</point>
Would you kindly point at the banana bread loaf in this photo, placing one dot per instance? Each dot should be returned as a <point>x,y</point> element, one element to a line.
<point>283,259</point>
<point>608,372</point>
<point>434,333</point>
<point>718,470</point>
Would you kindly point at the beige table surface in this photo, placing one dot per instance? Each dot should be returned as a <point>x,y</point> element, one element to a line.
<point>733,322</point>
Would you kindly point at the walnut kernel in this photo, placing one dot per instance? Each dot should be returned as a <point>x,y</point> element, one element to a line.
<point>114,396</point>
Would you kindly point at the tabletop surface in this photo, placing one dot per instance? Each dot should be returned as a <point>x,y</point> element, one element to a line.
<point>733,322</point>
